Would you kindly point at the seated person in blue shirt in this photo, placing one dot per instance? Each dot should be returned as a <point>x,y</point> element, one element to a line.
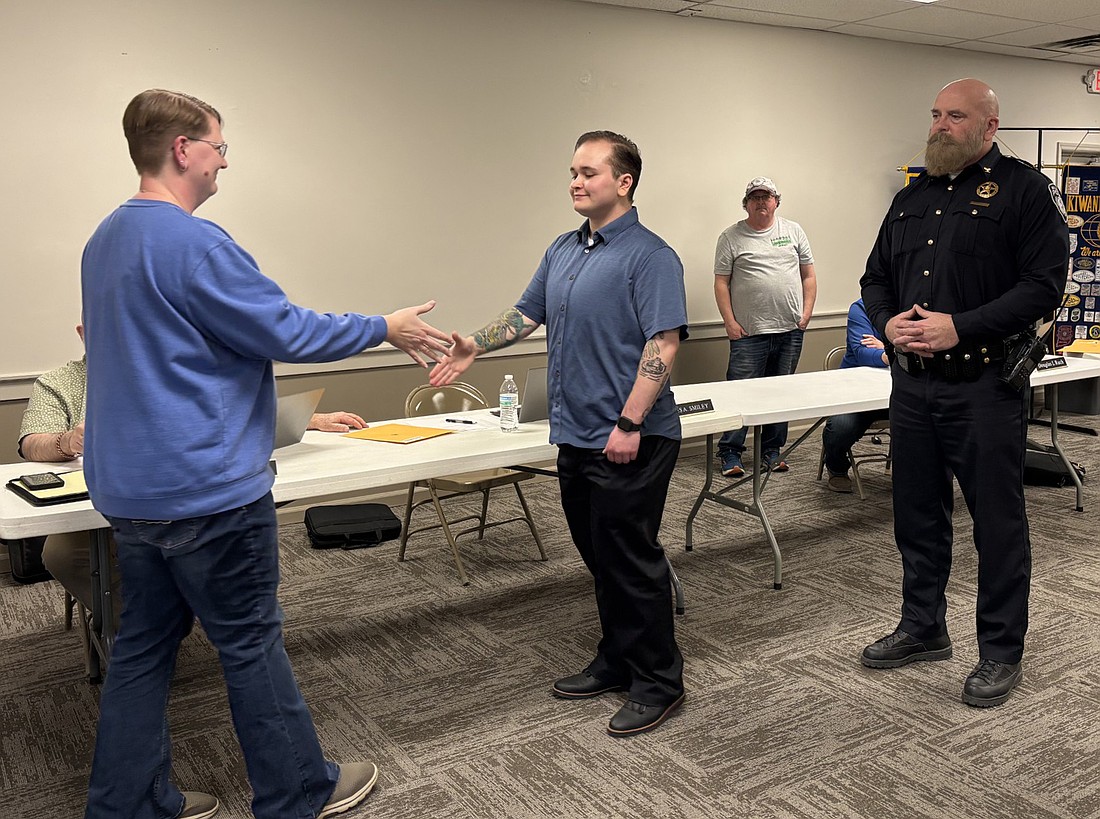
<point>864,349</point>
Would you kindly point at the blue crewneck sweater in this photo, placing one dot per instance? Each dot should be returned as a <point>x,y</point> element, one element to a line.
<point>181,328</point>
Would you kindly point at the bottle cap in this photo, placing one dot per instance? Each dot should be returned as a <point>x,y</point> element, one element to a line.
<point>507,378</point>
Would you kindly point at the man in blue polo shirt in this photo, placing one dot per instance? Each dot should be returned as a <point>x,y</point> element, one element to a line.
<point>611,295</point>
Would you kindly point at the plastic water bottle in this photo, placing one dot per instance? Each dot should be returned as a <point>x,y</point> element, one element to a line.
<point>509,405</point>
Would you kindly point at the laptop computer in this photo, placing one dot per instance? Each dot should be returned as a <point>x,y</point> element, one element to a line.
<point>534,406</point>
<point>292,416</point>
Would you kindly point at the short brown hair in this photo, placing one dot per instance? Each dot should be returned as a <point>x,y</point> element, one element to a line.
<point>156,117</point>
<point>625,156</point>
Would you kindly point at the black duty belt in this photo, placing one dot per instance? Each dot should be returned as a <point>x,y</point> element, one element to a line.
<point>965,362</point>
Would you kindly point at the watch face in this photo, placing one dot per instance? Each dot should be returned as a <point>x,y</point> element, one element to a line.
<point>626,425</point>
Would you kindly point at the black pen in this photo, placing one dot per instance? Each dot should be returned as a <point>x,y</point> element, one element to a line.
<point>459,421</point>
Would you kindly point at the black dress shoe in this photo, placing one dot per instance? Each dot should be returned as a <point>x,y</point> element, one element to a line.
<point>635,718</point>
<point>991,682</point>
<point>901,648</point>
<point>582,686</point>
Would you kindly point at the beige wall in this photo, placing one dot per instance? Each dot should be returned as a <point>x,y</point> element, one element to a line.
<point>383,152</point>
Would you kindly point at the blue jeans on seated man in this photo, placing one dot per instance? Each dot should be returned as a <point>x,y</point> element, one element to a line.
<point>757,357</point>
<point>224,569</point>
<point>841,432</point>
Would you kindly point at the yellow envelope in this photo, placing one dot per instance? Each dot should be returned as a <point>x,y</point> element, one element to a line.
<point>397,433</point>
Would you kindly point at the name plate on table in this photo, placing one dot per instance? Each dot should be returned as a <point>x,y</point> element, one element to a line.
<point>1051,363</point>
<point>695,407</point>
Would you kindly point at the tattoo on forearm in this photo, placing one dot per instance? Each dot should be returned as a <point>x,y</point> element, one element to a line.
<point>500,332</point>
<point>652,366</point>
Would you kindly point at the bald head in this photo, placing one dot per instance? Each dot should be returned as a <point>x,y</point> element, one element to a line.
<point>965,117</point>
<point>979,95</point>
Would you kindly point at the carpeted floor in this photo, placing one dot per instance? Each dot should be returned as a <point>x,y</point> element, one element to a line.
<point>447,687</point>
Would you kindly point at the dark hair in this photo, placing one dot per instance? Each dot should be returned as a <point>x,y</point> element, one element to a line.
<point>154,118</point>
<point>625,156</point>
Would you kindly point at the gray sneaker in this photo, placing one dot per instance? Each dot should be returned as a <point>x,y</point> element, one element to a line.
<point>840,483</point>
<point>198,805</point>
<point>356,781</point>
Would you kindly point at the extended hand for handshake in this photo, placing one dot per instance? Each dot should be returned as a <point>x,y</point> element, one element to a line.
<point>406,331</point>
<point>453,353</point>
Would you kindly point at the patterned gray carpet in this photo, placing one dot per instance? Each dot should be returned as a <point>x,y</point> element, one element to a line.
<point>447,687</point>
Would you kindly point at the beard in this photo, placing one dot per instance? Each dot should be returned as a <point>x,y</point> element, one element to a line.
<point>946,155</point>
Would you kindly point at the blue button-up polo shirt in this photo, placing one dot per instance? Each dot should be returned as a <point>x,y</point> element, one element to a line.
<point>602,297</point>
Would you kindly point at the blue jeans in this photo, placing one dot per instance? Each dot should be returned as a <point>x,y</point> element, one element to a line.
<point>841,432</point>
<point>224,569</point>
<point>757,357</point>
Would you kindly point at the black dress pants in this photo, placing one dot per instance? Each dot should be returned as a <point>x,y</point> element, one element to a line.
<point>614,514</point>
<point>975,431</point>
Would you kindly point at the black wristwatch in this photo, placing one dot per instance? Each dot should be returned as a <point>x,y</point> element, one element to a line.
<point>626,425</point>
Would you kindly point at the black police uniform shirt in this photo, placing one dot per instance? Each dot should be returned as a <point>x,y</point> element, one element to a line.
<point>990,247</point>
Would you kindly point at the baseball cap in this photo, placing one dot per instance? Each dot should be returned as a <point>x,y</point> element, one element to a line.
<point>761,183</point>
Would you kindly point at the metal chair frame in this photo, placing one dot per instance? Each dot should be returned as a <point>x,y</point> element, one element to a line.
<point>458,397</point>
<point>875,434</point>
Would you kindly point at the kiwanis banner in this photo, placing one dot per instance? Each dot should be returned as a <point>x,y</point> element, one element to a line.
<point>1078,317</point>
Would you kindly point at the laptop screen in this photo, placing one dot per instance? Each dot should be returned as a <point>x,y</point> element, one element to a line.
<point>292,416</point>
<point>534,406</point>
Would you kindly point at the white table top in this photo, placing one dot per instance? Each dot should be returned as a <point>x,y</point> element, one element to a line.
<point>791,397</point>
<point>326,464</point>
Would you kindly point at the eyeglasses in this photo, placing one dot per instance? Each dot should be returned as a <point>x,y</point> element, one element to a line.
<point>756,197</point>
<point>220,147</point>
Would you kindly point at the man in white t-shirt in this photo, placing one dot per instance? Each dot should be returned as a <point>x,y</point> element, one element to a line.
<point>765,287</point>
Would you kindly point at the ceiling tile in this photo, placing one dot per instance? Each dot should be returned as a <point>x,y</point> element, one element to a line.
<point>979,25</point>
<point>760,17</point>
<point>841,10</point>
<point>1038,36</point>
<point>878,33</point>
<point>1046,11</point>
<point>962,25</point>
<point>1011,50</point>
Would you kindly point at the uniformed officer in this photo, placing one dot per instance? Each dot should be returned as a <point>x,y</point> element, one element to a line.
<point>971,254</point>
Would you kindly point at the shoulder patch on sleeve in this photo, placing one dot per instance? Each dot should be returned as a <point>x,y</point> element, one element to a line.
<point>1056,195</point>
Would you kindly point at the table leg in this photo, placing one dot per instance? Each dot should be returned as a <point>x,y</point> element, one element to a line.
<point>1052,392</point>
<point>758,484</point>
<point>756,508</point>
<point>704,493</point>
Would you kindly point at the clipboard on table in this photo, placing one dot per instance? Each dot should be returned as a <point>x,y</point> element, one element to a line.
<point>75,489</point>
<point>397,433</point>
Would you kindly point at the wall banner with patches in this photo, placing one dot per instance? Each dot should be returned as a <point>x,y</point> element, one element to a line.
<point>1079,315</point>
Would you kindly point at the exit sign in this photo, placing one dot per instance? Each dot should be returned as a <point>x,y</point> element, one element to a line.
<point>1092,81</point>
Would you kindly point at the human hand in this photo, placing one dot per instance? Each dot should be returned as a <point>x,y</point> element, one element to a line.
<point>869,340</point>
<point>458,359</point>
<point>336,421</point>
<point>735,331</point>
<point>903,330</point>
<point>73,440</point>
<point>406,331</point>
<point>622,447</point>
<point>923,332</point>
<point>937,331</point>
<point>804,322</point>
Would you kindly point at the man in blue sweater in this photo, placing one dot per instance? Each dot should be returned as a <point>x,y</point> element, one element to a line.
<point>181,329</point>
<point>864,349</point>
